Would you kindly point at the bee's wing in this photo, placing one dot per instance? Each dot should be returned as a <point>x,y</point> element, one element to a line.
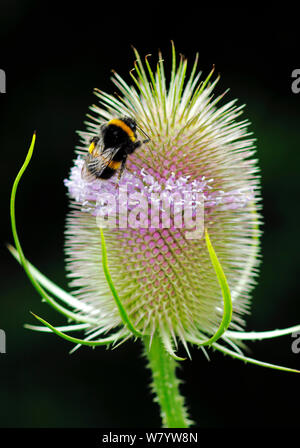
<point>86,173</point>
<point>94,165</point>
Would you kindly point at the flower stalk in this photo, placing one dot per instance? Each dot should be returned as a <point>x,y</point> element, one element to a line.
<point>165,385</point>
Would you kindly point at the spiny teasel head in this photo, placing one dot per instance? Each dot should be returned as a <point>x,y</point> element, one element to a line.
<point>200,157</point>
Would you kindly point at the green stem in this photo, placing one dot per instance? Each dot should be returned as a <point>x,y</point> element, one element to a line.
<point>166,385</point>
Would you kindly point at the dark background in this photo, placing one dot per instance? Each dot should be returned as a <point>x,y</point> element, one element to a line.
<point>54,55</point>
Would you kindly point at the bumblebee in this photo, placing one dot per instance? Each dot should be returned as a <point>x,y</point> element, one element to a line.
<point>108,152</point>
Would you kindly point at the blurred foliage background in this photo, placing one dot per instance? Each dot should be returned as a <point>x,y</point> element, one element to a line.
<point>53,56</point>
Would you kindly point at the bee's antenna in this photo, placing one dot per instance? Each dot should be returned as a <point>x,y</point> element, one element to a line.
<point>143,132</point>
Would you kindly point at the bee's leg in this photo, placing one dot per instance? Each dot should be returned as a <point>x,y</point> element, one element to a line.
<point>133,147</point>
<point>121,170</point>
<point>140,143</point>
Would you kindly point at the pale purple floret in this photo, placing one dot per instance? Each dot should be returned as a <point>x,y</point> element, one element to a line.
<point>90,193</point>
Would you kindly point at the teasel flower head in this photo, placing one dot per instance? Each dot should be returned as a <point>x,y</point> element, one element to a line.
<point>177,259</point>
<point>199,160</point>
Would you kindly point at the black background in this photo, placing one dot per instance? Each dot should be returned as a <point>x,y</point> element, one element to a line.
<point>54,54</point>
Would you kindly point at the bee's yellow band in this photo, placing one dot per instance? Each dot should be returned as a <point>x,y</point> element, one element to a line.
<point>123,126</point>
<point>114,165</point>
<point>92,147</point>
